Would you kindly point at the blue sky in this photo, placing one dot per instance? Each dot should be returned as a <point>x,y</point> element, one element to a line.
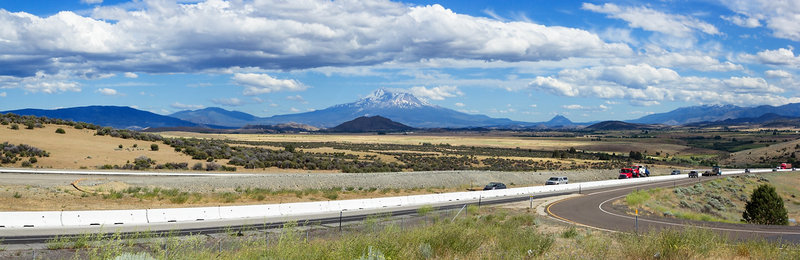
<point>524,60</point>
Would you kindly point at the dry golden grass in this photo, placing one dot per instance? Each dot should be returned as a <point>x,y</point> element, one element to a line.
<point>753,156</point>
<point>535,143</point>
<point>33,198</point>
<point>81,148</point>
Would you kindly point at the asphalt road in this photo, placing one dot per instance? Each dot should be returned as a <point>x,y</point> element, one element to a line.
<point>595,210</point>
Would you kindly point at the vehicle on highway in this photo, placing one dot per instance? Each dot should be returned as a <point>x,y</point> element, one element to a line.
<point>693,174</point>
<point>634,171</point>
<point>716,171</point>
<point>641,170</point>
<point>557,180</point>
<point>494,186</point>
<point>626,173</point>
<point>746,170</point>
<point>785,166</point>
<point>707,173</point>
<point>675,172</point>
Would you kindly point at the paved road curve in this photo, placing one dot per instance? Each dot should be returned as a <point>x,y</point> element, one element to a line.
<point>595,210</point>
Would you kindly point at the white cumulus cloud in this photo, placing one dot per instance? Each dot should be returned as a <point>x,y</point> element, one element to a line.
<point>179,105</point>
<point>778,57</point>
<point>653,20</point>
<point>130,75</point>
<point>107,91</point>
<point>436,93</point>
<point>92,1</point>
<point>195,36</point>
<point>231,102</point>
<point>647,86</point>
<point>777,74</point>
<point>748,22</point>
<point>297,98</point>
<point>255,84</point>
<point>780,16</point>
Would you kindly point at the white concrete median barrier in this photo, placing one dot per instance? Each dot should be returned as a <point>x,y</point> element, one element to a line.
<point>30,219</point>
<point>182,214</point>
<point>103,217</point>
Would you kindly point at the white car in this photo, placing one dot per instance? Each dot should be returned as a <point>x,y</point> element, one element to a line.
<point>557,180</point>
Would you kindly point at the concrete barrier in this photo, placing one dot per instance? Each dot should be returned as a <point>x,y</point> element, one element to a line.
<point>103,217</point>
<point>30,219</point>
<point>27,219</point>
<point>301,208</point>
<point>249,211</point>
<point>182,214</point>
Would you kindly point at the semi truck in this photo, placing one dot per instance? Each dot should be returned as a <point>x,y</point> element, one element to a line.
<point>635,171</point>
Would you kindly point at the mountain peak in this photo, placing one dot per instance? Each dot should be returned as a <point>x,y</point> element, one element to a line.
<point>558,120</point>
<point>386,98</point>
<point>371,124</point>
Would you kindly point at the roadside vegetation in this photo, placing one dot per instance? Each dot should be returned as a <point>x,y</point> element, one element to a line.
<point>11,154</point>
<point>724,200</point>
<point>487,233</point>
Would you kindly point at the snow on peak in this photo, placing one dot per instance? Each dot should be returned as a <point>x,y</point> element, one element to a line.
<point>384,98</point>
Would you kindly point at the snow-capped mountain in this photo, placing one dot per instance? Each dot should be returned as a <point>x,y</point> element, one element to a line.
<point>398,106</point>
<point>384,99</point>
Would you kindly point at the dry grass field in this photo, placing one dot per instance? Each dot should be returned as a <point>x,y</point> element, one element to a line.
<point>760,155</point>
<point>534,143</point>
<point>78,149</point>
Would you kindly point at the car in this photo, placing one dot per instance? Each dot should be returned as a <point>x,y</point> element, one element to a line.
<point>693,174</point>
<point>494,186</point>
<point>557,180</point>
<point>675,172</point>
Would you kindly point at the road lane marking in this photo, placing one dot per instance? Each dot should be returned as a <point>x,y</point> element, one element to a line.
<point>562,219</point>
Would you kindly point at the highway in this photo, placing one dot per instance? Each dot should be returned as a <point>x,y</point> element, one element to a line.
<point>595,210</point>
<point>42,235</point>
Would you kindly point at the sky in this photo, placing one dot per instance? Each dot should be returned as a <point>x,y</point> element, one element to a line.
<point>523,60</point>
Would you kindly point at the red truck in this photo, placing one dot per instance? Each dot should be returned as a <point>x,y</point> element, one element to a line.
<point>634,171</point>
<point>785,166</point>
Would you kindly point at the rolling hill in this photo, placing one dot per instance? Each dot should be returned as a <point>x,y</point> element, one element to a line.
<point>370,124</point>
<point>113,116</point>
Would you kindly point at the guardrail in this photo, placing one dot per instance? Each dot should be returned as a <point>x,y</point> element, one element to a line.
<point>36,219</point>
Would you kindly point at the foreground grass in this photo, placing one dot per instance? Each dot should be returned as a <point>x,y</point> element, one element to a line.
<point>499,234</point>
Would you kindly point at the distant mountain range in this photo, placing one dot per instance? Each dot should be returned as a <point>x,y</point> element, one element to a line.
<point>713,113</point>
<point>113,116</point>
<point>406,109</point>
<point>400,107</point>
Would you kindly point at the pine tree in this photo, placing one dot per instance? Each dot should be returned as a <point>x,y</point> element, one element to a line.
<point>765,207</point>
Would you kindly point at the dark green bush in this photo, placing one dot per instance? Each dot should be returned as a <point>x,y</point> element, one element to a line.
<point>765,207</point>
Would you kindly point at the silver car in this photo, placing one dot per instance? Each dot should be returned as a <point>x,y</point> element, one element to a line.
<point>557,180</point>
<point>675,172</point>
